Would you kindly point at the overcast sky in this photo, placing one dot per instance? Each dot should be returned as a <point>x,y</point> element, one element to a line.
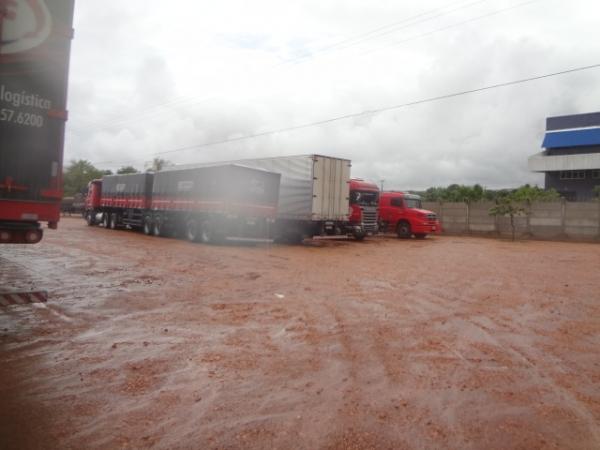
<point>151,76</point>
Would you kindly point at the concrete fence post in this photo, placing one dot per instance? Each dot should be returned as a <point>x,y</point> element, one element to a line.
<point>528,217</point>
<point>496,227</point>
<point>468,221</point>
<point>563,216</point>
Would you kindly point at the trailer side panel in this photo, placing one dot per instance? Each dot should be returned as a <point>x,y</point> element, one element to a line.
<point>35,40</point>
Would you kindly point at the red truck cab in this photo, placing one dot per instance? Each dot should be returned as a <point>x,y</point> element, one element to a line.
<point>92,202</point>
<point>364,204</point>
<point>402,213</point>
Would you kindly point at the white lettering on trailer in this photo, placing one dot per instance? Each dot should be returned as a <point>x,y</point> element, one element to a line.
<point>185,186</point>
<point>23,98</point>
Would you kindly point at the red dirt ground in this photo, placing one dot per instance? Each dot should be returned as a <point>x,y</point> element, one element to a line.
<point>451,342</point>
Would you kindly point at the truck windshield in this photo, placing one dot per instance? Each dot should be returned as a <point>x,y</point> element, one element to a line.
<point>414,203</point>
<point>364,198</point>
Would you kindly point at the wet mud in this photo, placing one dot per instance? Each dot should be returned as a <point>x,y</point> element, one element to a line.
<point>450,342</point>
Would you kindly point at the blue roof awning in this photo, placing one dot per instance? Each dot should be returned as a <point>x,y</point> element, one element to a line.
<point>572,138</point>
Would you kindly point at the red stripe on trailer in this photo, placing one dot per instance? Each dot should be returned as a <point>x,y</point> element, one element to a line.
<point>134,201</point>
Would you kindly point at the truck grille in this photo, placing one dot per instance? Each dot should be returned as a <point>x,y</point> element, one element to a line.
<point>431,217</point>
<point>369,219</point>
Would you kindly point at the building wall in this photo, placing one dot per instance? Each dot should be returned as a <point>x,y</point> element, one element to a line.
<point>573,121</point>
<point>573,190</point>
<point>573,150</point>
<point>572,144</point>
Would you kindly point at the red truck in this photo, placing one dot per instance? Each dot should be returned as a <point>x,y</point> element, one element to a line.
<point>209,204</point>
<point>402,213</point>
<point>35,42</point>
<point>364,203</point>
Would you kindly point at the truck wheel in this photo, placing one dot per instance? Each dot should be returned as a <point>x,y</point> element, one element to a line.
<point>209,234</point>
<point>359,235</point>
<point>420,235</point>
<point>147,226</point>
<point>191,231</point>
<point>106,220</point>
<point>403,230</point>
<point>158,228</point>
<point>89,218</point>
<point>113,221</point>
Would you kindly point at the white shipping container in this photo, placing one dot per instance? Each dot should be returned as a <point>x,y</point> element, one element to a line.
<point>313,187</point>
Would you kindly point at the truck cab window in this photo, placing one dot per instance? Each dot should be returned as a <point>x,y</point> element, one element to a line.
<point>364,198</point>
<point>413,203</point>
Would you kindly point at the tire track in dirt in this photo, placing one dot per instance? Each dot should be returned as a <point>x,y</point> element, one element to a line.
<point>543,376</point>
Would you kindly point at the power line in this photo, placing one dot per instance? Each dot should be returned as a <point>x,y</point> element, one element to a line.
<point>191,102</point>
<point>454,25</point>
<point>151,112</point>
<point>350,42</point>
<point>368,112</point>
<point>387,29</point>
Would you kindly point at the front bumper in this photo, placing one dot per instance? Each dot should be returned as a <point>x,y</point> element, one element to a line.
<point>426,227</point>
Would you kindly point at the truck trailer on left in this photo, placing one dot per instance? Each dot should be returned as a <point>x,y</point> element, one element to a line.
<point>210,204</point>
<point>35,43</point>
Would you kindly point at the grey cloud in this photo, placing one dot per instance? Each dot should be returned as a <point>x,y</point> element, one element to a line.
<point>213,75</point>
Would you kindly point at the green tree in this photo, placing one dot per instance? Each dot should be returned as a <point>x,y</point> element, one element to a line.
<point>476,193</point>
<point>506,206</point>
<point>77,176</point>
<point>127,169</point>
<point>456,193</point>
<point>527,193</point>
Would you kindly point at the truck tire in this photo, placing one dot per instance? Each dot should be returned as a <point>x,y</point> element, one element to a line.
<point>89,218</point>
<point>403,230</point>
<point>113,221</point>
<point>147,227</point>
<point>158,228</point>
<point>420,235</point>
<point>359,235</point>
<point>209,233</point>
<point>192,232</point>
<point>106,220</point>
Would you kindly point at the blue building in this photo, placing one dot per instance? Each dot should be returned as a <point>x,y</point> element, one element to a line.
<point>571,156</point>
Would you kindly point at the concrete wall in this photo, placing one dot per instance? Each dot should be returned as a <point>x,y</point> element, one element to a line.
<point>544,220</point>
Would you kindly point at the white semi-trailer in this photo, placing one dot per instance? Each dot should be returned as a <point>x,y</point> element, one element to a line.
<point>313,194</point>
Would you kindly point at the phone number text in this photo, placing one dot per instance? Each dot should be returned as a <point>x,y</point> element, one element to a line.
<point>21,118</point>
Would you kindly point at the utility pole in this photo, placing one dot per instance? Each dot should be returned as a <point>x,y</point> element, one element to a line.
<point>382,184</point>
